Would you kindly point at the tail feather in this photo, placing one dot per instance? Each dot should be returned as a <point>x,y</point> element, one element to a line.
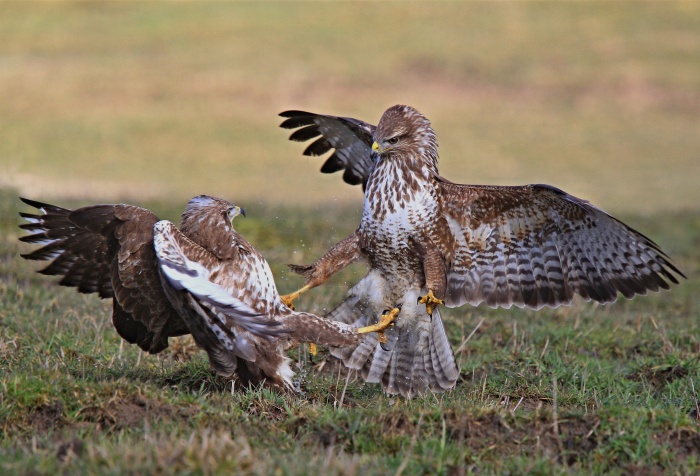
<point>408,374</point>
<point>360,355</point>
<point>443,362</point>
<point>419,357</point>
<point>373,359</point>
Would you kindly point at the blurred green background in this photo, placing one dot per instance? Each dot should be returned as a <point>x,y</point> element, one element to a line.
<point>163,101</point>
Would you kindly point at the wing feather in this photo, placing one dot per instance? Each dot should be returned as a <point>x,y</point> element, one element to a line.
<point>138,286</point>
<point>351,139</point>
<point>535,246</point>
<point>108,250</point>
<point>78,253</point>
<point>190,268</point>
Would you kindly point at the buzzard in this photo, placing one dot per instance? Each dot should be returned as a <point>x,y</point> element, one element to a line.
<point>203,278</point>
<point>431,242</point>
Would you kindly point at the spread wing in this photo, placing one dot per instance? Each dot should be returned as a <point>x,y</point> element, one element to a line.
<point>536,245</point>
<point>214,315</point>
<point>351,139</point>
<point>78,249</point>
<point>108,249</point>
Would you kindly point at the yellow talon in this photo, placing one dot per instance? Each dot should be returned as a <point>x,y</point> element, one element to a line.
<point>313,350</point>
<point>288,299</point>
<point>386,321</point>
<point>431,302</point>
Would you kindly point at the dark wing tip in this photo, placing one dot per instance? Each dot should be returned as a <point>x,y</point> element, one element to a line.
<point>332,165</point>
<point>295,113</point>
<point>352,178</point>
<point>44,207</point>
<point>33,203</point>
<point>296,122</point>
<point>318,147</point>
<point>305,133</point>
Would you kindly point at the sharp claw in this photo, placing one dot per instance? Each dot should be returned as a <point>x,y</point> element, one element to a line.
<point>384,347</point>
<point>431,302</point>
<point>288,301</point>
<point>386,321</point>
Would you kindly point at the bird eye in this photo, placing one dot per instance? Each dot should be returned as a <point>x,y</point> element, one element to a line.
<point>393,140</point>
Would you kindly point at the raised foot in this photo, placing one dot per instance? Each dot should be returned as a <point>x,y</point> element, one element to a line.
<point>431,302</point>
<point>288,299</point>
<point>386,321</point>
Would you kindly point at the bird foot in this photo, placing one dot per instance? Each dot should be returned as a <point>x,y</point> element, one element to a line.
<point>431,302</point>
<point>288,299</point>
<point>386,321</point>
<point>313,350</point>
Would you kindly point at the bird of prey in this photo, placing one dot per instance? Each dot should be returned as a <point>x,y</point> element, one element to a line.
<point>203,278</point>
<point>430,242</point>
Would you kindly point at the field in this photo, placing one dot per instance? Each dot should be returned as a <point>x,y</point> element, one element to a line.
<point>154,103</point>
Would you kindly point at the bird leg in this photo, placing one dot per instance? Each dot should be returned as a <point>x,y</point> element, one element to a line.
<point>386,321</point>
<point>338,257</point>
<point>431,302</point>
<point>288,299</point>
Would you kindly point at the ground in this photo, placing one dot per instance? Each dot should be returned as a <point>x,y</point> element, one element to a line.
<point>153,103</point>
<point>583,388</point>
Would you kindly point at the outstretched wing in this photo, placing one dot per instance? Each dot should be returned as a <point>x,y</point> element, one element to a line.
<point>78,249</point>
<point>351,139</point>
<point>536,245</point>
<point>108,249</point>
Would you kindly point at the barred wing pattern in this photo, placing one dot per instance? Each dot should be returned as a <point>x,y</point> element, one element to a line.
<point>535,245</point>
<point>108,250</point>
<point>351,139</point>
<point>76,246</point>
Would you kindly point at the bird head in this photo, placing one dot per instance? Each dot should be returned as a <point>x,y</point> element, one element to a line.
<point>405,132</point>
<point>233,212</point>
<point>208,221</point>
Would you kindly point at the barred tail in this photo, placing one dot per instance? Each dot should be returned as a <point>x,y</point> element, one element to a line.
<point>419,358</point>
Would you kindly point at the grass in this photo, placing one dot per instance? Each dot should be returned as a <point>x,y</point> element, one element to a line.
<point>154,103</point>
<point>580,389</point>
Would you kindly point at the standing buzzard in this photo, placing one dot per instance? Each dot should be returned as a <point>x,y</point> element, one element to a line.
<point>431,242</point>
<point>204,279</point>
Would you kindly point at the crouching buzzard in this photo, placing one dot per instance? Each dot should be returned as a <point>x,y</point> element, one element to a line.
<point>204,279</point>
<point>431,242</point>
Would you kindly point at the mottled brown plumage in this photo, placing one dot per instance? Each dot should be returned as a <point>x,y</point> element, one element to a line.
<point>529,246</point>
<point>108,250</point>
<point>204,279</point>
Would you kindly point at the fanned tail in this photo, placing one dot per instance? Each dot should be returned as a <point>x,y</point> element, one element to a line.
<point>419,356</point>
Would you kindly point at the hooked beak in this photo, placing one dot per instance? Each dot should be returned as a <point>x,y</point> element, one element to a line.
<point>234,212</point>
<point>375,147</point>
